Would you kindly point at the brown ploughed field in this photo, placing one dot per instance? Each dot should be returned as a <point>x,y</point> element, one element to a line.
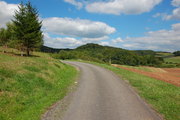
<point>170,75</point>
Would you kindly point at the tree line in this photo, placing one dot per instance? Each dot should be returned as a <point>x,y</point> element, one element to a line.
<point>24,31</point>
<point>106,54</point>
<point>176,53</point>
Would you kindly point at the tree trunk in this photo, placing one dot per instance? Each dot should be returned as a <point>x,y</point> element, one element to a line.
<point>27,51</point>
<point>110,61</point>
<point>21,53</point>
<point>4,48</point>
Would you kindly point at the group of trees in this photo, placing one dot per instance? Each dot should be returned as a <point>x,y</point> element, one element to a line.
<point>106,54</point>
<point>176,53</point>
<point>24,31</point>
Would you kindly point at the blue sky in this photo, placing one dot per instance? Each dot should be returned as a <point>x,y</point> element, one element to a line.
<point>128,24</point>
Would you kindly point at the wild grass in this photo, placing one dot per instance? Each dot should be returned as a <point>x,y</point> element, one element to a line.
<point>164,54</point>
<point>164,97</point>
<point>173,59</point>
<point>29,85</point>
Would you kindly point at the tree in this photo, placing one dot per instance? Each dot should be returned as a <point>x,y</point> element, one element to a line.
<point>176,53</point>
<point>28,27</point>
<point>6,35</point>
<point>3,37</point>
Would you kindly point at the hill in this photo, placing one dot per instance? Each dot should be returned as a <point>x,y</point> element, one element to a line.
<point>51,50</point>
<point>107,54</point>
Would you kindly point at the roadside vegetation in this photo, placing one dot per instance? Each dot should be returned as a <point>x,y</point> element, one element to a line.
<point>162,96</point>
<point>29,85</point>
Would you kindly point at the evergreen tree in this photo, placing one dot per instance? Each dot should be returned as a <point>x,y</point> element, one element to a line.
<point>28,28</point>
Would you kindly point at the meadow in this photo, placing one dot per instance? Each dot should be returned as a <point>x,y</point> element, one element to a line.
<point>30,85</point>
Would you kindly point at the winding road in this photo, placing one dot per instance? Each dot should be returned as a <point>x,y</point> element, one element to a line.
<point>102,95</point>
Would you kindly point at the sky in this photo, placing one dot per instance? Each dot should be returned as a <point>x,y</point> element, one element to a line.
<point>128,24</point>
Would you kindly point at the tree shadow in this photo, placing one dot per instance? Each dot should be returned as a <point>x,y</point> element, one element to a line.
<point>17,54</point>
<point>24,55</point>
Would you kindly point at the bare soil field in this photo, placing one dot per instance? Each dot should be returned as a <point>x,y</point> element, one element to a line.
<point>169,75</point>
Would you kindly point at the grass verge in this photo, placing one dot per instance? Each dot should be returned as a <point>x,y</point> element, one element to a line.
<point>164,97</point>
<point>29,85</point>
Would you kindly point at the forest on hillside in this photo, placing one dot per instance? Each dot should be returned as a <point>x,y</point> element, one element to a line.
<point>107,54</point>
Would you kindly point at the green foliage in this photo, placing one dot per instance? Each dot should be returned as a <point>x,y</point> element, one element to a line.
<point>176,53</point>
<point>106,54</point>
<point>145,52</point>
<point>27,28</point>
<point>6,34</point>
<point>172,60</point>
<point>3,36</point>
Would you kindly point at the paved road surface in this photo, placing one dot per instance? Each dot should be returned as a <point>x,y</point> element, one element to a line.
<point>101,95</point>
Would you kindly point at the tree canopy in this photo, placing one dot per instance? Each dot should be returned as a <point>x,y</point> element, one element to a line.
<point>27,28</point>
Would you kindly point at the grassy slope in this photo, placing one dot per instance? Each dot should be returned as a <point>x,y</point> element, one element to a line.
<point>29,85</point>
<point>173,59</point>
<point>164,97</point>
<point>161,54</point>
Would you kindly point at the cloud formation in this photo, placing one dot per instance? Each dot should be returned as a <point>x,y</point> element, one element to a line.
<point>117,40</point>
<point>79,5</point>
<point>167,40</point>
<point>6,12</point>
<point>69,42</point>
<point>77,27</point>
<point>118,7</point>
<point>175,15</point>
<point>61,42</point>
<point>175,3</point>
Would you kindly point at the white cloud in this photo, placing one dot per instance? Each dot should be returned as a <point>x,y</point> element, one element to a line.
<point>70,42</point>
<point>118,7</point>
<point>175,13</point>
<point>77,27</point>
<point>104,43</point>
<point>176,3</point>
<point>117,40</point>
<point>88,40</point>
<point>167,40</point>
<point>6,12</point>
<point>61,42</point>
<point>79,5</point>
<point>176,27</point>
<point>174,16</point>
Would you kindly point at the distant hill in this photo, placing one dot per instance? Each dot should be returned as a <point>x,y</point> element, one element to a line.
<point>51,50</point>
<point>164,54</point>
<point>107,54</point>
<point>145,52</point>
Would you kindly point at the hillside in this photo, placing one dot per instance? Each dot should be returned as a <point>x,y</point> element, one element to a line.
<point>106,54</point>
<point>51,50</point>
<point>29,85</point>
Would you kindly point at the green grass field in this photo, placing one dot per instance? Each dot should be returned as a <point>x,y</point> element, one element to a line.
<point>164,54</point>
<point>173,59</point>
<point>164,97</point>
<point>29,85</point>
